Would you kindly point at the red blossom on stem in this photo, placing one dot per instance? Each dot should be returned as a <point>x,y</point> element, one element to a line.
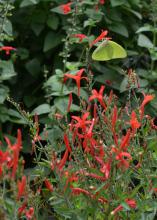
<point>77,77</point>
<point>134,122</point>
<point>66,141</point>
<point>48,185</point>
<point>125,140</point>
<point>63,160</point>
<point>22,208</point>
<point>105,169</point>
<point>102,36</point>
<point>78,191</point>
<point>66,7</point>
<point>147,98</point>
<point>7,49</point>
<point>124,158</point>
<point>16,150</point>
<point>98,96</point>
<point>130,202</point>
<point>29,213</point>
<point>114,118</point>
<point>82,121</point>
<point>21,187</point>
<point>80,36</point>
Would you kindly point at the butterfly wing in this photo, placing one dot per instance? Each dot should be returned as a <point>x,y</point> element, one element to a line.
<point>108,50</point>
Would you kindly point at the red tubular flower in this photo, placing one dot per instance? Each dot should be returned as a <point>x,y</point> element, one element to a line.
<point>114,118</point>
<point>66,141</point>
<point>77,77</point>
<point>134,122</point>
<point>147,98</point>
<point>78,191</point>
<point>63,160</point>
<point>130,202</point>
<point>29,213</point>
<point>22,208</point>
<point>125,140</point>
<point>4,156</point>
<point>48,185</point>
<point>81,121</point>
<point>124,158</point>
<point>102,36</point>
<point>66,8</point>
<point>21,187</point>
<point>102,200</point>
<point>105,169</point>
<point>98,96</point>
<point>7,49</point>
<point>16,149</point>
<point>80,36</point>
<point>119,208</point>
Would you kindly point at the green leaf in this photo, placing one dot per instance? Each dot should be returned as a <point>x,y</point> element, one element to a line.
<point>54,85</point>
<point>16,117</point>
<point>33,66</point>
<point>119,28</point>
<point>41,109</point>
<point>26,3</point>
<point>144,29</point>
<point>53,135</point>
<point>6,70</point>
<point>93,14</point>
<point>115,3</point>
<point>37,28</point>
<point>137,14</point>
<point>144,41</point>
<point>51,41</point>
<point>61,103</point>
<point>8,27</point>
<point>3,114</point>
<point>53,22</point>
<point>108,50</point>
<point>3,93</point>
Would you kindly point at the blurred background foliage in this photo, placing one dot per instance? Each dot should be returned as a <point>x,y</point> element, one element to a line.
<point>41,33</point>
